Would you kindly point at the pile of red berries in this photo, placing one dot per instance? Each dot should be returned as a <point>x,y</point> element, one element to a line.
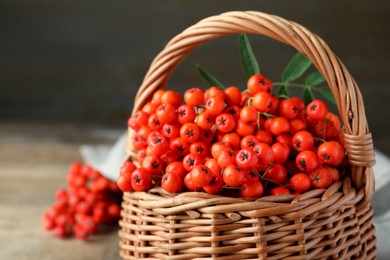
<point>89,201</point>
<point>251,142</point>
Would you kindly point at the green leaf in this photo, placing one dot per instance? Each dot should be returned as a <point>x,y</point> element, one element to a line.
<point>296,67</point>
<point>314,78</point>
<point>327,93</point>
<point>213,81</point>
<point>308,95</point>
<point>248,60</point>
<point>283,91</point>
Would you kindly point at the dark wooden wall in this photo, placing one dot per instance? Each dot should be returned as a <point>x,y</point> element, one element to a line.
<point>84,60</point>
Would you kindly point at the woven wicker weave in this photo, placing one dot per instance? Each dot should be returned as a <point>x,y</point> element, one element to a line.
<point>335,223</point>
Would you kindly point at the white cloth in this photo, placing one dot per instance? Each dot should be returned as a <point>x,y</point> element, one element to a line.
<point>108,160</point>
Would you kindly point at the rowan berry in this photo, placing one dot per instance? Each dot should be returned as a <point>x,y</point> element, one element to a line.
<point>186,114</point>
<point>141,180</point>
<point>171,182</point>
<point>257,83</point>
<point>246,159</point>
<point>232,96</point>
<point>201,175</point>
<point>300,182</point>
<point>331,153</point>
<point>262,101</point>
<point>205,120</point>
<point>307,161</point>
<point>249,114</point>
<point>233,176</point>
<point>172,98</point>
<point>302,140</point>
<point>252,189</point>
<point>190,132</point>
<point>225,122</point>
<point>215,105</point>
<point>317,110</point>
<point>166,113</point>
<point>194,96</point>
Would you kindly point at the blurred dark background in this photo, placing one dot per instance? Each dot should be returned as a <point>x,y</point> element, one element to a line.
<point>82,61</point>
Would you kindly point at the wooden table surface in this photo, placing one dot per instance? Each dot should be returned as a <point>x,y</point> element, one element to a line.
<point>34,160</point>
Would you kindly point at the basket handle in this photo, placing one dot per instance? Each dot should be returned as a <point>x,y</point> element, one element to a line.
<point>358,140</point>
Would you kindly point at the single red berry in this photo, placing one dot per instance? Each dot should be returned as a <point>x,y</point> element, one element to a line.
<point>190,161</point>
<point>154,123</point>
<point>277,172</point>
<point>249,114</point>
<point>199,148</point>
<point>249,142</point>
<point>300,182</point>
<point>246,159</point>
<point>279,191</point>
<point>233,176</point>
<point>257,83</point>
<point>172,98</point>
<point>149,108</point>
<point>215,105</point>
<point>307,161</point>
<point>214,92</point>
<point>302,140</point>
<point>141,118</point>
<point>233,139</point>
<point>206,136</point>
<point>166,113</point>
<point>262,101</point>
<point>320,178</point>
<point>153,164</point>
<point>226,157</point>
<point>244,129</point>
<point>201,175</point>
<point>194,96</point>
<point>127,169</point>
<point>331,153</point>
<point>205,120</point>
<point>141,180</point>
<point>279,125</point>
<point>288,109</point>
<point>171,131</point>
<point>252,189</point>
<point>296,125</point>
<point>233,96</point>
<point>216,184</point>
<point>225,122</point>
<point>190,132</point>
<point>317,110</point>
<point>158,144</point>
<point>280,152</point>
<point>171,182</point>
<point>179,146</point>
<point>186,114</point>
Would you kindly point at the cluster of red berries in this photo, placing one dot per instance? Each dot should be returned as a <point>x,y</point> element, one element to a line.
<point>252,142</point>
<point>89,201</point>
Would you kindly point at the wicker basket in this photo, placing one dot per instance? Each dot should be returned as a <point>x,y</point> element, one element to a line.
<point>335,223</point>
